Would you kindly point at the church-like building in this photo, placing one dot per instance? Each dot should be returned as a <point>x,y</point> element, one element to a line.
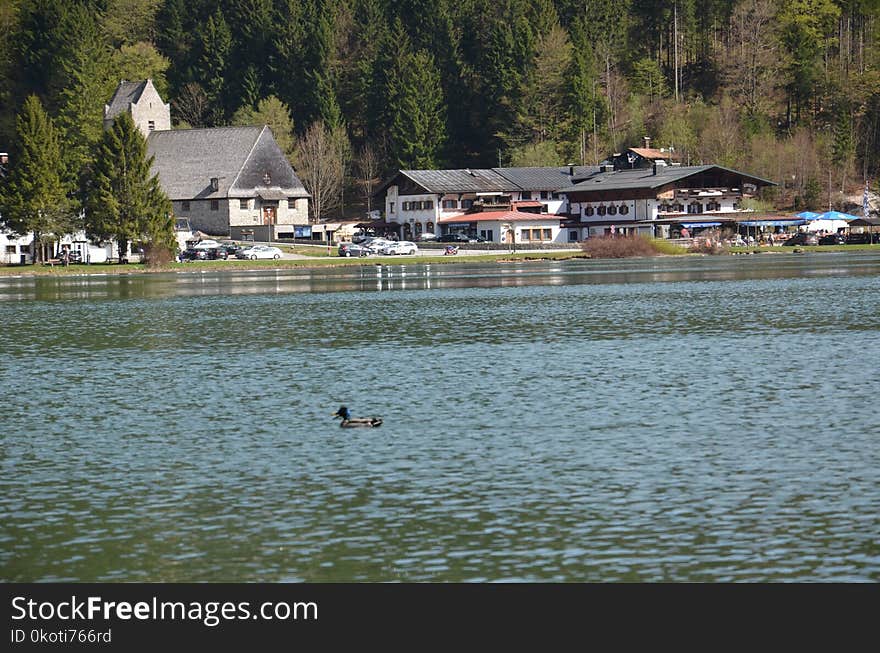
<point>227,181</point>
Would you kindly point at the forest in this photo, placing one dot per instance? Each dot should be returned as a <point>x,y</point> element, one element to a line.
<point>784,89</point>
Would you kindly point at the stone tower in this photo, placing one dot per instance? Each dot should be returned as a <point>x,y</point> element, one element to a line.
<point>143,102</point>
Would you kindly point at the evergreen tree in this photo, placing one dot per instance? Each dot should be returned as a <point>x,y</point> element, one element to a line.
<point>415,98</point>
<point>585,103</point>
<point>216,46</point>
<point>34,199</point>
<point>90,80</point>
<point>126,202</point>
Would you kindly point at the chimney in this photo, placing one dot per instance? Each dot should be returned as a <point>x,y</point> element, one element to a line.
<point>647,140</point>
<point>215,184</point>
<point>655,167</point>
<point>571,171</point>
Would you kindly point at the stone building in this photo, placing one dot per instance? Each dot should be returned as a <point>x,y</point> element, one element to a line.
<point>232,182</point>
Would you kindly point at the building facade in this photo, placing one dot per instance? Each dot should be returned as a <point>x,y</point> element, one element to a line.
<point>421,201</point>
<point>652,201</point>
<point>227,181</point>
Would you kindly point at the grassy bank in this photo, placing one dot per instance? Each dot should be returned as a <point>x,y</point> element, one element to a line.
<point>309,263</point>
<point>325,261</point>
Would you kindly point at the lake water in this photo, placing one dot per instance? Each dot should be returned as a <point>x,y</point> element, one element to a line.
<point>696,419</point>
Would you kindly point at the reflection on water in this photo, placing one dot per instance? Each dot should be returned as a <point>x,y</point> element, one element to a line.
<point>426,277</point>
<point>665,419</point>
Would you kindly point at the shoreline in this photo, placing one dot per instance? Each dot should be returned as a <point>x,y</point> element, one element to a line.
<point>311,263</point>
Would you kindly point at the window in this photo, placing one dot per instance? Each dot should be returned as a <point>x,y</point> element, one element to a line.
<point>428,205</point>
<point>543,194</point>
<point>526,195</point>
<point>612,210</point>
<point>679,208</point>
<point>735,206</point>
<point>243,205</point>
<point>390,207</point>
<point>589,210</point>
<point>405,206</point>
<point>624,209</point>
<point>429,227</point>
<point>11,249</point>
<point>184,206</point>
<point>215,205</point>
<point>695,207</point>
<point>151,125</point>
<point>665,208</point>
<point>466,204</point>
<point>546,234</point>
<point>601,210</point>
<point>572,236</point>
<point>450,204</point>
<point>554,195</point>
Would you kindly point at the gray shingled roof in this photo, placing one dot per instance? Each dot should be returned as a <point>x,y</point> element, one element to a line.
<point>492,180</point>
<point>545,178</point>
<point>187,159</point>
<point>645,178</point>
<point>460,181</point>
<point>126,94</point>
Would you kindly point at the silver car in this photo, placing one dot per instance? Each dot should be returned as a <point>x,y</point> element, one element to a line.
<point>259,251</point>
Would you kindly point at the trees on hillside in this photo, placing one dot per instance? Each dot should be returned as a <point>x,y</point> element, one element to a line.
<point>126,202</point>
<point>503,77</point>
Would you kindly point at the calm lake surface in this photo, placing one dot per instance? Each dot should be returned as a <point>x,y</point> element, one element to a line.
<point>699,419</point>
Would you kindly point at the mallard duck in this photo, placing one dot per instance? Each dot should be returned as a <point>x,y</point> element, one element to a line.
<point>349,423</point>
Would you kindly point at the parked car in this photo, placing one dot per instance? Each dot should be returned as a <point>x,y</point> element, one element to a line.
<point>833,239</point>
<point>353,249</point>
<point>861,239</point>
<point>193,254</point>
<point>375,245</point>
<point>73,256</point>
<point>217,253</point>
<point>802,238</point>
<point>401,247</point>
<point>206,243</point>
<point>427,237</point>
<point>453,238</point>
<point>230,247</point>
<point>259,251</point>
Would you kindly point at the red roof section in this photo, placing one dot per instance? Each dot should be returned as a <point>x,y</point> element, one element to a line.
<point>652,153</point>
<point>499,216</point>
<point>527,204</point>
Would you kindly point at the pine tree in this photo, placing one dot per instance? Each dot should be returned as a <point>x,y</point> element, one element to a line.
<point>585,103</point>
<point>34,199</point>
<point>415,98</point>
<point>126,202</point>
<point>216,46</point>
<point>89,84</point>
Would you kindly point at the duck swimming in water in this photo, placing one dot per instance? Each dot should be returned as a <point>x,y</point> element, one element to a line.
<point>348,422</point>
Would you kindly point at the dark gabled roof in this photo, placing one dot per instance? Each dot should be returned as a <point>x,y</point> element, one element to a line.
<point>187,159</point>
<point>645,178</point>
<point>125,95</point>
<point>491,180</point>
<point>545,178</point>
<point>459,181</point>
